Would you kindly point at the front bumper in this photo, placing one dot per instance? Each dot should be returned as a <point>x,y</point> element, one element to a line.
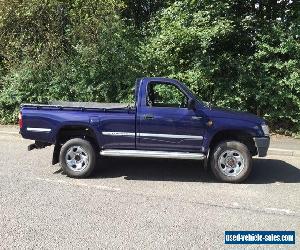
<point>262,145</point>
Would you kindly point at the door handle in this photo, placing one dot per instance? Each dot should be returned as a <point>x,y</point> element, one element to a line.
<point>148,117</point>
<point>197,117</point>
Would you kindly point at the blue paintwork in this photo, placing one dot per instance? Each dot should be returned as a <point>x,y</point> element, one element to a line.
<point>168,121</point>
<point>176,121</point>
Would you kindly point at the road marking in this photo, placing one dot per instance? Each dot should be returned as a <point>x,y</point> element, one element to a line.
<point>80,184</point>
<point>9,132</point>
<point>280,210</point>
<point>234,205</point>
<point>283,152</point>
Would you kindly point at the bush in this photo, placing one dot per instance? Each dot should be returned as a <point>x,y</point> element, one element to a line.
<point>239,54</point>
<point>240,60</point>
<point>76,51</point>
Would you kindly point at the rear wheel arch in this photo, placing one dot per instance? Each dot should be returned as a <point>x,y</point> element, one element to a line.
<point>78,158</point>
<point>68,132</point>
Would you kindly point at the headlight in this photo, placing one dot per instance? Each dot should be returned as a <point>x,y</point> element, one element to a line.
<point>265,129</point>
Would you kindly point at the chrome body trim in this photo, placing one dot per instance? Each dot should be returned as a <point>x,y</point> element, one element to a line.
<point>38,129</point>
<point>152,154</point>
<point>196,137</point>
<point>172,136</point>
<point>118,133</point>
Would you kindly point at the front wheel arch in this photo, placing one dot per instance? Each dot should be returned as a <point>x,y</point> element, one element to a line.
<point>233,135</point>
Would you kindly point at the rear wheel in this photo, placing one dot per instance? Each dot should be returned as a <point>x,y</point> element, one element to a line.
<point>231,161</point>
<point>77,158</point>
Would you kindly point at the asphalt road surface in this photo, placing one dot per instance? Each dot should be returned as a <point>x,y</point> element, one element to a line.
<point>131,203</point>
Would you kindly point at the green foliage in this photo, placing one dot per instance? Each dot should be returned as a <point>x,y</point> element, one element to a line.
<point>168,95</point>
<point>239,54</point>
<point>139,12</point>
<point>75,50</point>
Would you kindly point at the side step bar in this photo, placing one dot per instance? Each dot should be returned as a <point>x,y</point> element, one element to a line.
<point>152,154</point>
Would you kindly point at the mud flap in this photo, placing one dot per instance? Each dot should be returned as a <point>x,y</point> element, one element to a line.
<point>56,152</point>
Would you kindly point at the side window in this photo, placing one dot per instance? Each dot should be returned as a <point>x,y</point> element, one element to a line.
<point>165,95</point>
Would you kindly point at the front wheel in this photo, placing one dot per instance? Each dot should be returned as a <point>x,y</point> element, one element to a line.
<point>231,161</point>
<point>77,158</point>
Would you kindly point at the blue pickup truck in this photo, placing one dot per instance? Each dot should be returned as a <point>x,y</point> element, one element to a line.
<point>166,121</point>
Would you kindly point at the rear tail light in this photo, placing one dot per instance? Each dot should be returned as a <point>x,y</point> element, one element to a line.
<point>20,120</point>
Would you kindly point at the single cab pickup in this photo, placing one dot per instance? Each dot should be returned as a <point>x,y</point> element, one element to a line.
<point>166,121</point>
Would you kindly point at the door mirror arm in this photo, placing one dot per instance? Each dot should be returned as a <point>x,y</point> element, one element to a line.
<point>191,104</point>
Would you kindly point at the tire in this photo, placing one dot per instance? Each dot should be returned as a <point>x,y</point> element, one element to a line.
<point>231,161</point>
<point>77,158</point>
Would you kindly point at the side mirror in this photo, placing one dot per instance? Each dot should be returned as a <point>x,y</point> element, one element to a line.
<point>192,104</point>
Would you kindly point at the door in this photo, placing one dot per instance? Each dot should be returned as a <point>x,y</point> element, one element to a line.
<point>117,130</point>
<point>165,122</point>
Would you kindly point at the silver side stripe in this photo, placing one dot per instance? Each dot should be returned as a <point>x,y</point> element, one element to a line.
<point>173,136</point>
<point>118,133</point>
<point>38,129</point>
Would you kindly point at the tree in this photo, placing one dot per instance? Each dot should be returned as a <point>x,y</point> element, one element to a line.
<point>67,50</point>
<point>238,54</point>
<point>141,11</point>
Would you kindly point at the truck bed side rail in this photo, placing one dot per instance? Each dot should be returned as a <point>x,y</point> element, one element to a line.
<point>76,108</point>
